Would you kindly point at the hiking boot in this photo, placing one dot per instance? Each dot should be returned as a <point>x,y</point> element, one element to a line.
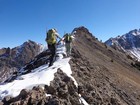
<point>50,64</point>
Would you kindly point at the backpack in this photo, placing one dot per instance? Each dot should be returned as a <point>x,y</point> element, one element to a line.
<point>51,38</point>
<point>68,38</point>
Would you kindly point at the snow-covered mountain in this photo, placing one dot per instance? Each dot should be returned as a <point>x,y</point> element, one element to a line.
<point>129,42</point>
<point>13,59</point>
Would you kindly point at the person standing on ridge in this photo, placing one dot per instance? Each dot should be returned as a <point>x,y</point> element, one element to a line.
<point>68,39</point>
<point>51,39</point>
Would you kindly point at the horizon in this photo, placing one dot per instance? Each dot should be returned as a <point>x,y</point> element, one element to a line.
<point>23,20</point>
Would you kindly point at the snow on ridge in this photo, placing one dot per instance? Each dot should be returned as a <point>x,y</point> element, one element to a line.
<point>39,76</point>
<point>135,34</point>
<point>135,52</point>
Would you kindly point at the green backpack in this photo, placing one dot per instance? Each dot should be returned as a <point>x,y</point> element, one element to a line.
<point>68,38</point>
<point>51,37</point>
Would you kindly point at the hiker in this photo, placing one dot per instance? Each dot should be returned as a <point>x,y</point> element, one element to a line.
<point>68,39</point>
<point>51,39</point>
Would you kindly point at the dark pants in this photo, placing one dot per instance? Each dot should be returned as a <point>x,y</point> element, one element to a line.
<point>52,48</point>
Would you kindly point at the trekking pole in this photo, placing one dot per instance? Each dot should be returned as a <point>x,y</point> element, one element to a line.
<point>58,42</point>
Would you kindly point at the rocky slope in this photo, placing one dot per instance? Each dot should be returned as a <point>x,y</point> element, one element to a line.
<point>62,91</point>
<point>105,76</point>
<point>13,59</point>
<point>129,42</point>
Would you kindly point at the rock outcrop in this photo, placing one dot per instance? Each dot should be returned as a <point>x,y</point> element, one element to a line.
<point>11,60</point>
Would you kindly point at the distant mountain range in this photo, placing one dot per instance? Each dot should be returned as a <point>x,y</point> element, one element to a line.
<point>13,59</point>
<point>129,43</point>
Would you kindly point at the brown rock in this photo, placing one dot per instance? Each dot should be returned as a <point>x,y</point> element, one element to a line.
<point>1,103</point>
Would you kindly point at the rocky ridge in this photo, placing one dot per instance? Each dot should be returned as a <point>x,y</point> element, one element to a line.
<point>104,74</point>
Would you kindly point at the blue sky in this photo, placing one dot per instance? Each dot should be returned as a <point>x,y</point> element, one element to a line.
<point>22,20</point>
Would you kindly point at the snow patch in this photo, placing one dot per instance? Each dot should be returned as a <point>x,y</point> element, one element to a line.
<point>135,52</point>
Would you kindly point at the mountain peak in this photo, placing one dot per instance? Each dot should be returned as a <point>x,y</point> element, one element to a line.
<point>30,42</point>
<point>81,28</point>
<point>135,32</point>
<point>128,42</point>
<point>83,32</point>
<point>13,59</point>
